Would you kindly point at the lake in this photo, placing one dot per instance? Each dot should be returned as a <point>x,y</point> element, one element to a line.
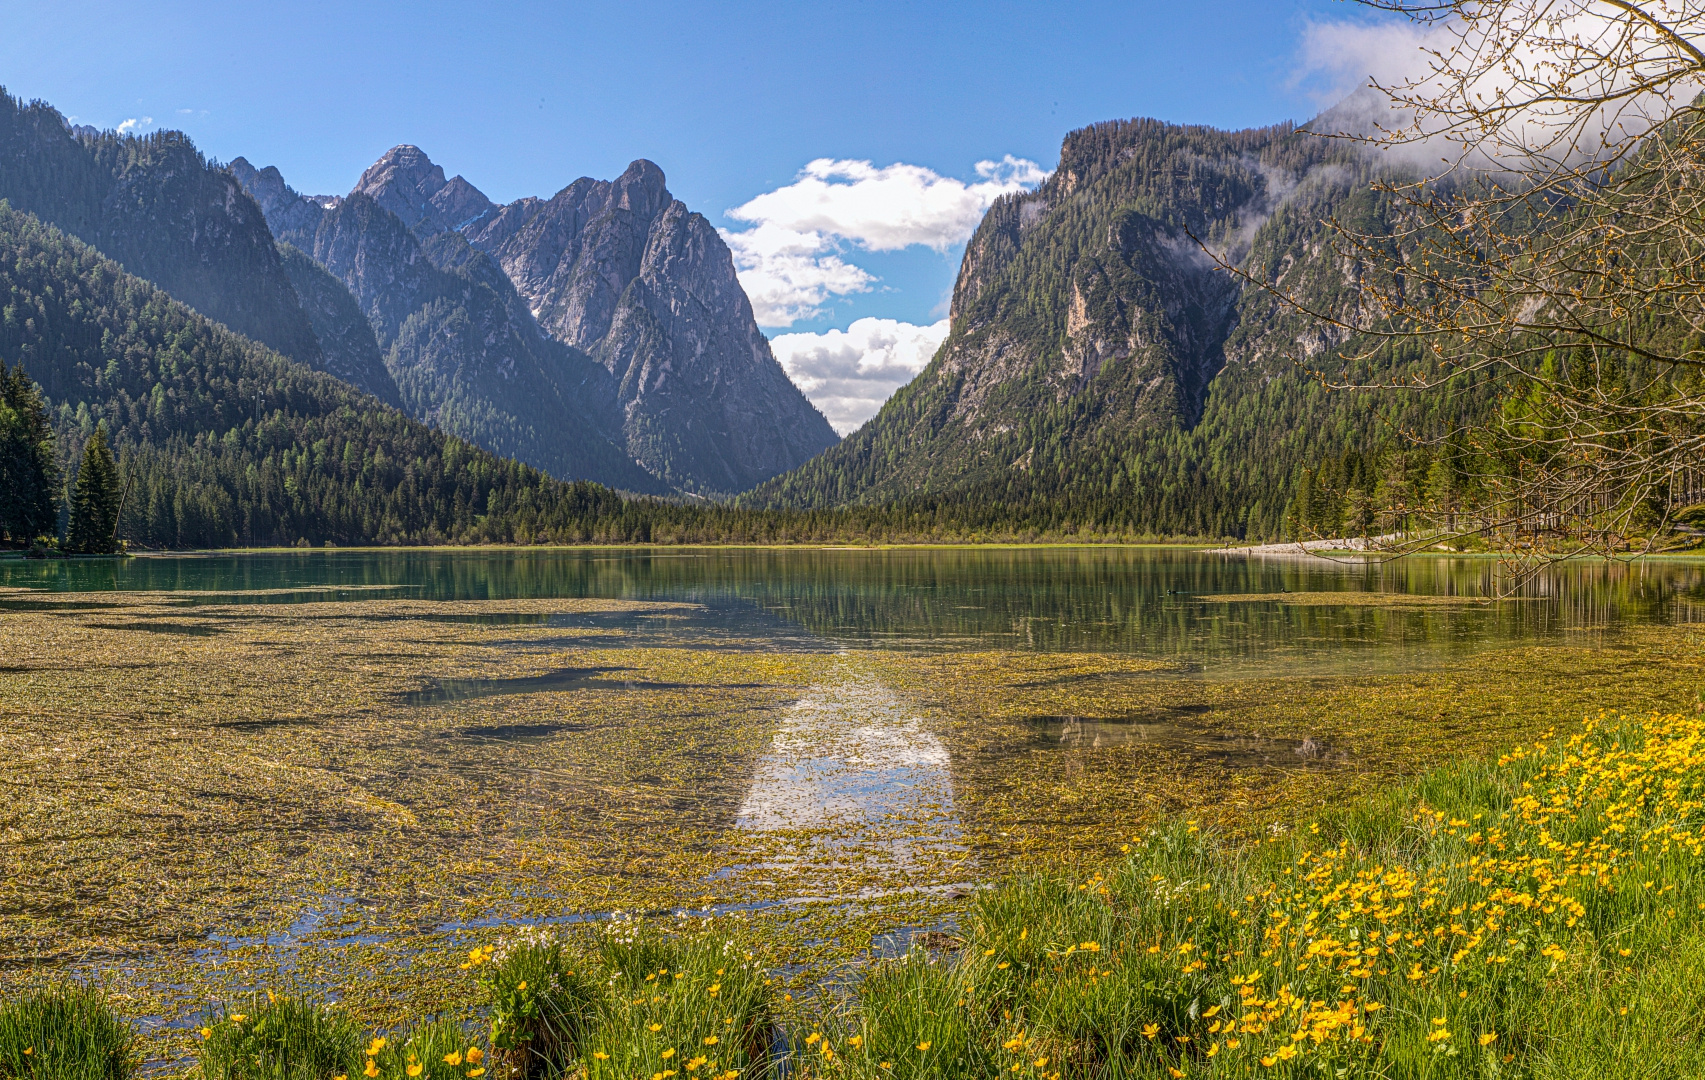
<point>1162,603</point>
<point>336,766</point>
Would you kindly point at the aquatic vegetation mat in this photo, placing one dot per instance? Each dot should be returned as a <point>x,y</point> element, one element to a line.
<point>336,799</point>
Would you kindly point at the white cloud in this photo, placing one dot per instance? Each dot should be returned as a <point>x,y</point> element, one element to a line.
<point>131,126</point>
<point>789,275</point>
<point>1338,58</point>
<point>1558,74</point>
<point>886,209</point>
<point>791,262</point>
<point>849,373</point>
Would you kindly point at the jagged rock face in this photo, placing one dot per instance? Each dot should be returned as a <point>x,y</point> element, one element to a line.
<point>375,255</point>
<point>623,271</point>
<point>572,256</point>
<point>409,185</point>
<point>456,341</point>
<point>155,205</point>
<point>1093,335</point>
<point>618,271</point>
<point>293,218</point>
<point>350,350</point>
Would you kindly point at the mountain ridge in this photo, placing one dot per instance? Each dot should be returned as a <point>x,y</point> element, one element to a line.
<point>154,205</point>
<point>1102,367</point>
<point>616,271</point>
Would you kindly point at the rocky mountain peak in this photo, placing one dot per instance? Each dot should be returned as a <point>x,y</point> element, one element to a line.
<point>615,272</point>
<point>641,189</point>
<point>407,183</point>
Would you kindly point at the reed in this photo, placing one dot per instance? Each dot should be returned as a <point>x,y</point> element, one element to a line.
<point>273,1037</point>
<point>65,1032</point>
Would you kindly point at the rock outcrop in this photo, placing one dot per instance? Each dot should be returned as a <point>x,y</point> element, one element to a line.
<point>624,272</point>
<point>1104,365</point>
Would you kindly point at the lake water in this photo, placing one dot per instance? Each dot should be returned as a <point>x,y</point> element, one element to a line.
<point>853,739</point>
<point>1170,604</point>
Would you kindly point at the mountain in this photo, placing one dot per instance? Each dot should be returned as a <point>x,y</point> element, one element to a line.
<point>227,442</point>
<point>155,205</point>
<point>646,287</point>
<point>462,349</point>
<point>618,271</point>
<point>1102,369</point>
<point>348,347</point>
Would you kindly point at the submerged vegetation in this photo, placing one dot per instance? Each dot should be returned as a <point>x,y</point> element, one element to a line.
<point>1491,919</point>
<point>431,812</point>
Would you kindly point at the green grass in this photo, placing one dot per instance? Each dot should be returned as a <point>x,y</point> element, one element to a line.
<point>438,1049</point>
<point>269,1037</point>
<point>1541,916</point>
<point>66,1032</point>
<point>542,1003</point>
<point>692,1002</point>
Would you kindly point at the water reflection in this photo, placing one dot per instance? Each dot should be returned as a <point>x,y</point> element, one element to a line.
<point>1147,601</point>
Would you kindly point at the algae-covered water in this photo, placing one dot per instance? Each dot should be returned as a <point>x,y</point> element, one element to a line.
<point>339,767</point>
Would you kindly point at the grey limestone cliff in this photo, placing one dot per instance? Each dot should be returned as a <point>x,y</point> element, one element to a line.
<point>619,272</point>
<point>626,273</point>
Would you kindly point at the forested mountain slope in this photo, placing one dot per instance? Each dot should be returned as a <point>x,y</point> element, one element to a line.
<point>230,443</point>
<point>153,204</point>
<point>612,288</point>
<point>1102,370</point>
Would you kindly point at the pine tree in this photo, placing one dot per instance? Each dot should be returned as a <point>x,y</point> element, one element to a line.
<point>94,499</point>
<point>29,474</point>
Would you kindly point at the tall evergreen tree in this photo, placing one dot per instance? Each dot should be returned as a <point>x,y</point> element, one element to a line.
<point>94,499</point>
<point>29,474</point>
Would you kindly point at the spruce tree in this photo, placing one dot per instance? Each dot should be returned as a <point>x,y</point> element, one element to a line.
<point>28,472</point>
<point>94,499</point>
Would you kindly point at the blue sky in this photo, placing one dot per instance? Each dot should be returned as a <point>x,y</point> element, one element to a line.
<point>733,100</point>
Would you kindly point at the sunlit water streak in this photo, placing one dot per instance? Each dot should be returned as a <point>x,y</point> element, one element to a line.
<point>854,797</point>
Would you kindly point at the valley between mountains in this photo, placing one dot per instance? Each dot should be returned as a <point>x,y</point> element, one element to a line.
<point>1104,373</point>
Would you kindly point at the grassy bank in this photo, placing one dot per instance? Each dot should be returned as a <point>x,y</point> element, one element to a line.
<point>1541,915</point>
